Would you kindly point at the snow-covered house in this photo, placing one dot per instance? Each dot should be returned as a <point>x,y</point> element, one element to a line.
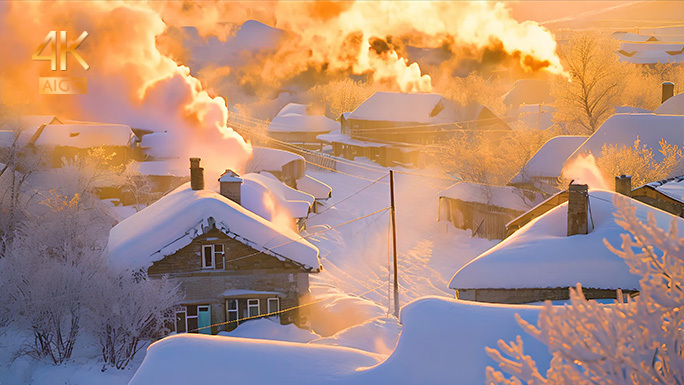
<point>541,172</point>
<point>484,209</point>
<point>622,130</point>
<point>555,251</point>
<point>72,140</point>
<point>295,124</point>
<point>667,194</point>
<point>260,191</point>
<point>231,263</point>
<point>287,166</point>
<point>400,117</point>
<point>651,52</point>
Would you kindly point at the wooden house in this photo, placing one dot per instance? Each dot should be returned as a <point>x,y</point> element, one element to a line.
<point>69,141</point>
<point>666,194</point>
<point>231,264</point>
<point>152,180</point>
<point>484,209</point>
<point>559,249</point>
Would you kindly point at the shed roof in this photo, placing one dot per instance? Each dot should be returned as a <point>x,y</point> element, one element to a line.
<point>541,255</point>
<point>672,187</point>
<point>294,118</point>
<point>173,221</point>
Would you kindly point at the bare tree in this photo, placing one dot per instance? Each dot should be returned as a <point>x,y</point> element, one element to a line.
<point>589,96</point>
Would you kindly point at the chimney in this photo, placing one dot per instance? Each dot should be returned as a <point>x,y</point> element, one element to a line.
<point>578,199</point>
<point>668,91</point>
<point>196,174</point>
<point>231,183</point>
<point>623,185</point>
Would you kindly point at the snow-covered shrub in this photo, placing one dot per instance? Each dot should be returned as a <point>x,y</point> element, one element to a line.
<point>50,270</point>
<point>127,311</point>
<point>639,341</point>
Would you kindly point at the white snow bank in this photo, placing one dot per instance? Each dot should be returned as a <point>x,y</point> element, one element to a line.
<point>256,187</point>
<point>541,255</point>
<point>175,220</point>
<point>672,106</point>
<point>377,335</point>
<point>295,118</point>
<point>271,329</point>
<point>314,187</point>
<point>400,107</point>
<point>208,360</point>
<point>622,130</point>
<point>549,159</point>
<point>442,342</point>
<point>502,196</point>
<point>85,135</point>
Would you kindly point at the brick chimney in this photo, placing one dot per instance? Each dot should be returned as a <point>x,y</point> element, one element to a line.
<point>623,185</point>
<point>578,199</point>
<point>231,184</point>
<point>196,174</point>
<point>668,91</point>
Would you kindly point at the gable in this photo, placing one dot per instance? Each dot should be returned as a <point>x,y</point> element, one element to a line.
<point>237,257</point>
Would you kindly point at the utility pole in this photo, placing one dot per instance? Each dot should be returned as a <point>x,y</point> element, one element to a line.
<point>394,246</point>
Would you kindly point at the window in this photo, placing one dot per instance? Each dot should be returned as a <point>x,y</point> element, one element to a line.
<point>252,307</point>
<point>273,306</point>
<point>210,254</point>
<point>181,322</point>
<point>232,310</point>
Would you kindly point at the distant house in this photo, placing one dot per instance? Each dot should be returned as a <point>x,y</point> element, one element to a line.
<point>484,209</point>
<point>74,140</point>
<point>528,92</point>
<point>651,51</point>
<point>400,117</point>
<point>294,124</point>
<point>542,171</point>
<point>156,178</point>
<point>557,250</point>
<point>231,264</point>
<point>288,167</point>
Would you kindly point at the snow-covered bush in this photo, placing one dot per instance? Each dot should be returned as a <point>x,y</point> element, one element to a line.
<point>50,270</point>
<point>639,341</point>
<point>127,311</point>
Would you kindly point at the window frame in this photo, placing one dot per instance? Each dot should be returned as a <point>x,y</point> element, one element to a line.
<point>215,250</point>
<point>236,311</point>
<point>268,306</point>
<point>251,305</point>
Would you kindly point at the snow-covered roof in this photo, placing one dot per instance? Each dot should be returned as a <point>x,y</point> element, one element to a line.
<point>549,159</point>
<point>85,135</point>
<point>28,125</point>
<point>173,221</point>
<point>529,91</point>
<point>315,187</point>
<point>536,115</point>
<point>255,187</point>
<point>230,176</point>
<point>159,168</point>
<point>271,159</point>
<point>672,106</point>
<point>622,130</point>
<point>633,37</point>
<point>541,255</point>
<point>410,108</point>
<point>672,187</point>
<point>501,196</point>
<point>294,118</point>
<point>651,52</point>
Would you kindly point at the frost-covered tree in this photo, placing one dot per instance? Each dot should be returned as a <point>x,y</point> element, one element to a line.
<point>126,311</point>
<point>49,271</point>
<point>638,341</point>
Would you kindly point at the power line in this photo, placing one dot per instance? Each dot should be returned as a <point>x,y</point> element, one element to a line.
<point>352,195</point>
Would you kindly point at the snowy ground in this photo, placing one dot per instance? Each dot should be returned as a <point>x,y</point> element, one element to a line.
<point>351,291</point>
